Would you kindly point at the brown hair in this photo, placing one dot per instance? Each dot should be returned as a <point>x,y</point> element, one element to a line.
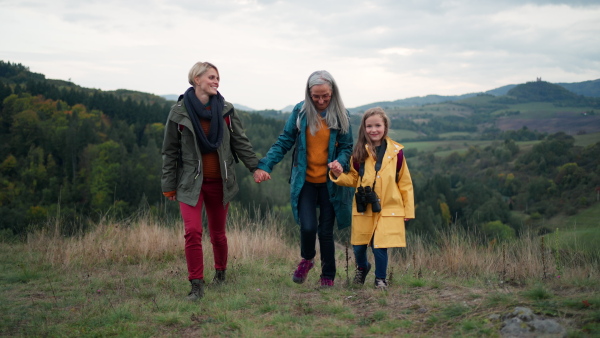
<point>360,153</point>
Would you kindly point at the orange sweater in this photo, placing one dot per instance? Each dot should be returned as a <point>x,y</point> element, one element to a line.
<point>210,161</point>
<point>316,154</point>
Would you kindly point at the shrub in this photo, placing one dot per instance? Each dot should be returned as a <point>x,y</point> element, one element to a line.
<point>498,230</point>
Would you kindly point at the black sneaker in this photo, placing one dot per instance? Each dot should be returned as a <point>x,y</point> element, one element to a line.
<point>361,274</point>
<point>381,283</point>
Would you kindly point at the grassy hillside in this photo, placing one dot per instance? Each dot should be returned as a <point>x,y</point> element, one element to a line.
<point>581,230</point>
<point>537,106</point>
<point>587,139</point>
<point>432,110</point>
<point>129,279</point>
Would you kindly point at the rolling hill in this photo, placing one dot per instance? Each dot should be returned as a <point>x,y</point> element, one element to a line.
<point>587,88</point>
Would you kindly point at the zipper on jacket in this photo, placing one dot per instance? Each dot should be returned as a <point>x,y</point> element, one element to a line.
<point>225,165</point>
<point>197,170</point>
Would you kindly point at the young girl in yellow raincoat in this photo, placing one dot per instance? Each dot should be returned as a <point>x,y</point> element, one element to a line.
<point>383,198</point>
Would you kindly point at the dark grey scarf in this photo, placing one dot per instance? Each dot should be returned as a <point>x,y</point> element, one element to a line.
<point>196,110</point>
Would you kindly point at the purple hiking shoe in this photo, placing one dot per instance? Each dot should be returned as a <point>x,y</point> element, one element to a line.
<point>302,271</point>
<point>326,282</point>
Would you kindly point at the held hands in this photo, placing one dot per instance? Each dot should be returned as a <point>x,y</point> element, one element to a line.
<point>336,168</point>
<point>261,175</point>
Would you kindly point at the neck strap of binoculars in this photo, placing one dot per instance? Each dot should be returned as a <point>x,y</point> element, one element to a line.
<point>380,154</point>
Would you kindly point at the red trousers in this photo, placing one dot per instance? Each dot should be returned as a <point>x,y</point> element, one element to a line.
<point>211,196</point>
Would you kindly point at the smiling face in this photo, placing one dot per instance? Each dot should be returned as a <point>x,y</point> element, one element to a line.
<point>206,85</point>
<point>375,129</point>
<point>321,96</point>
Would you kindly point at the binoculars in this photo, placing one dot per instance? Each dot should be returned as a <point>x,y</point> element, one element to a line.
<point>364,196</point>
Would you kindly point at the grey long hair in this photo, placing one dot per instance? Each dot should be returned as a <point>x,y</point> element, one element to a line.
<point>336,117</point>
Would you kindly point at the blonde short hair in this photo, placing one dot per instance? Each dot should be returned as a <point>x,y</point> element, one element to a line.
<point>198,69</point>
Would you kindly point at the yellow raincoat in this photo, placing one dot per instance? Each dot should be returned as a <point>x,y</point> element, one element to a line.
<point>386,228</point>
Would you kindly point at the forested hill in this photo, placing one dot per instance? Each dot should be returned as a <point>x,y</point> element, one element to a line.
<point>80,154</point>
<point>132,107</point>
<point>541,91</point>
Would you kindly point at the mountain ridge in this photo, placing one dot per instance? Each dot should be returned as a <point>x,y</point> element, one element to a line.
<point>589,88</point>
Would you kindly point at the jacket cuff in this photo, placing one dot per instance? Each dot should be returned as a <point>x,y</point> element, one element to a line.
<point>170,193</point>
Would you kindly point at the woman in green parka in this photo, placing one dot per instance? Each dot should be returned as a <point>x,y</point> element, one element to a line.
<point>203,136</point>
<point>319,128</point>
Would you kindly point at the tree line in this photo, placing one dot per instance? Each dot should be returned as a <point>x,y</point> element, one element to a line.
<point>77,155</point>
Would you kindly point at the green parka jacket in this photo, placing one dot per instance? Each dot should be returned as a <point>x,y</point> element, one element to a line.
<point>182,160</point>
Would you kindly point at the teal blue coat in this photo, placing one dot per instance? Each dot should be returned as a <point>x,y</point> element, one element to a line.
<point>340,148</point>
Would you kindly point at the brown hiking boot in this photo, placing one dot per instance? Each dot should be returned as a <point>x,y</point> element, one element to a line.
<point>197,290</point>
<point>219,277</point>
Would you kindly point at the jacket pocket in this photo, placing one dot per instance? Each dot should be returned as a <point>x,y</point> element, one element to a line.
<point>186,178</point>
<point>391,222</point>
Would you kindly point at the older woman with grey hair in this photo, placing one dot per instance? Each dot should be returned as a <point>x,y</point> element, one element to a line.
<point>319,127</point>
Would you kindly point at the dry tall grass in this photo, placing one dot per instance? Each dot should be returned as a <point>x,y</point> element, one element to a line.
<point>460,254</point>
<point>455,253</point>
<point>145,240</point>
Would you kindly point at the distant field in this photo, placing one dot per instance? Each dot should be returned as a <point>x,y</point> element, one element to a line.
<point>542,110</point>
<point>479,100</point>
<point>400,134</point>
<point>586,139</point>
<point>446,147</point>
<point>546,117</point>
<point>454,134</point>
<point>442,109</point>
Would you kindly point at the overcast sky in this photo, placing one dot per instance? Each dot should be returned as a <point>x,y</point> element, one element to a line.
<point>265,50</point>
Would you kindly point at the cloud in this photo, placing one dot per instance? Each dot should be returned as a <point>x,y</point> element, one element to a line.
<point>265,50</point>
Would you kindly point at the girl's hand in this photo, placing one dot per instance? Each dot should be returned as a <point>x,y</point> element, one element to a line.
<point>336,168</point>
<point>407,219</point>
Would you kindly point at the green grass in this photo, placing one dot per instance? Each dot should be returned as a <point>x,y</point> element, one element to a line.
<point>150,302</point>
<point>146,297</point>
<point>444,148</point>
<point>400,134</point>
<point>580,231</point>
<point>540,110</point>
<point>538,292</point>
<point>440,147</point>
<point>587,139</point>
<point>455,134</point>
<point>440,109</point>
